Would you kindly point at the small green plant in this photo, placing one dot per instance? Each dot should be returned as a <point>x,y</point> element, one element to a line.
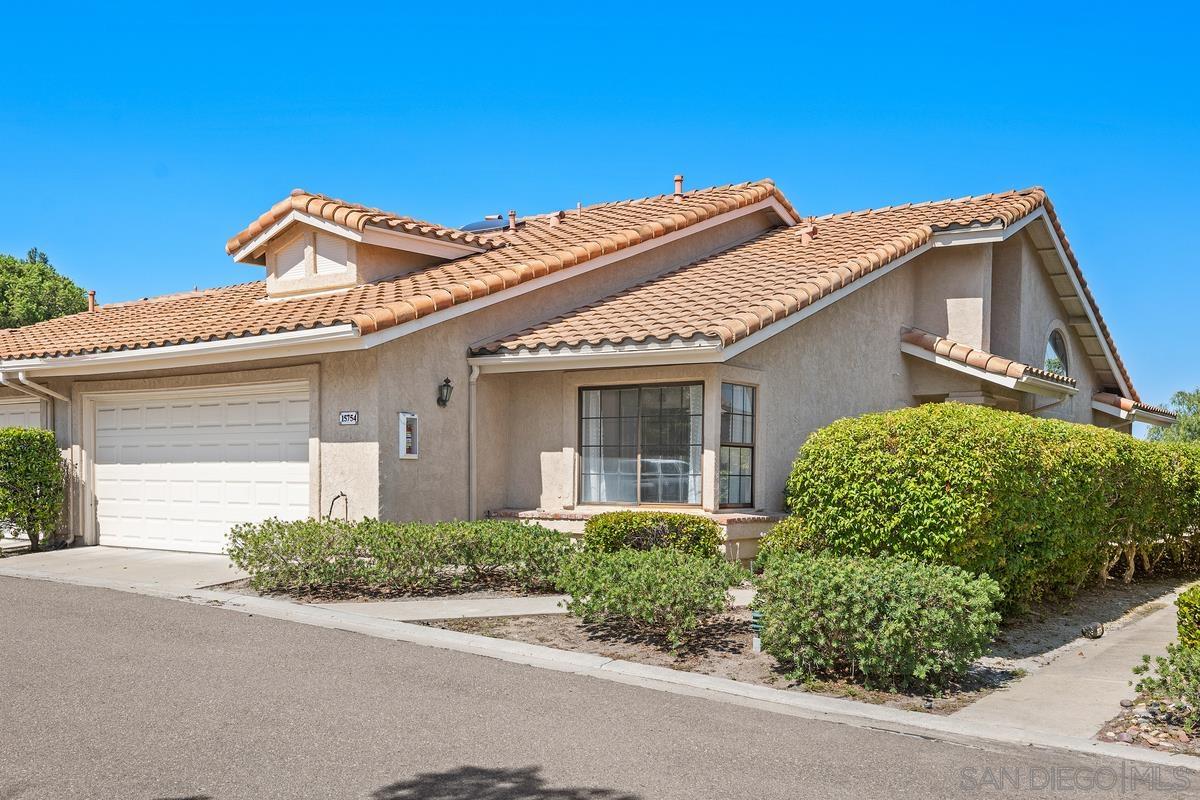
<point>32,483</point>
<point>646,530</point>
<point>662,591</point>
<point>892,623</point>
<point>1173,678</point>
<point>1188,621</point>
<point>311,554</point>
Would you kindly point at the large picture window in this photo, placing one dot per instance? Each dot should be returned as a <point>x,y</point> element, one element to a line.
<point>737,445</point>
<point>641,444</point>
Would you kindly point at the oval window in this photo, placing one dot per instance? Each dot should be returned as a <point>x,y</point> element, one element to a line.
<point>1056,354</point>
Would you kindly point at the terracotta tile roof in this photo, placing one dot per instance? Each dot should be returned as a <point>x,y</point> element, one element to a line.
<point>1125,404</point>
<point>541,245</point>
<point>979,359</point>
<point>352,215</point>
<point>739,291</point>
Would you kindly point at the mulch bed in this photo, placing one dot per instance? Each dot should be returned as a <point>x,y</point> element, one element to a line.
<point>723,647</point>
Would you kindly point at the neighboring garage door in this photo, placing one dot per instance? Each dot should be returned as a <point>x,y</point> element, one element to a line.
<point>176,471</point>
<point>20,414</point>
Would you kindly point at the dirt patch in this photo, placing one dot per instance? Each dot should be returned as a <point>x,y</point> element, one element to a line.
<point>723,647</point>
<point>1151,725</point>
<point>1033,639</point>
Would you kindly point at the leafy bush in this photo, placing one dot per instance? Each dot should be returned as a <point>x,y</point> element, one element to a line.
<point>1175,679</point>
<point>787,537</point>
<point>328,554</point>
<point>891,622</point>
<point>1042,506</point>
<point>645,530</point>
<point>1188,621</point>
<point>32,483</point>
<point>662,591</point>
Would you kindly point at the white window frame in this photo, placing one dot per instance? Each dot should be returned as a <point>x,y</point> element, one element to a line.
<point>404,417</point>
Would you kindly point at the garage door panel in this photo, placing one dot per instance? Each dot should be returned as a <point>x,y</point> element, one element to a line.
<point>21,414</point>
<point>178,473</point>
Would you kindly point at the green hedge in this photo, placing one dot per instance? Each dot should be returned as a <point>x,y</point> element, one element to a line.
<point>1042,506</point>
<point>646,530</point>
<point>32,483</point>
<point>1188,619</point>
<point>310,554</point>
<point>663,591</point>
<point>892,623</point>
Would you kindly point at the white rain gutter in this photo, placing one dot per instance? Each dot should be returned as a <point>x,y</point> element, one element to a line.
<point>4,381</point>
<point>44,390</point>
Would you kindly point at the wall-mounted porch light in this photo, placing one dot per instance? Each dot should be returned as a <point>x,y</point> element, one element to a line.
<point>445,389</point>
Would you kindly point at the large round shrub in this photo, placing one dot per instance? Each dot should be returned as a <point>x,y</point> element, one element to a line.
<point>1042,506</point>
<point>892,623</point>
<point>32,483</point>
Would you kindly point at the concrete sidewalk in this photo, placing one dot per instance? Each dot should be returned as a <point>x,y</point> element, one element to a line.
<point>155,569</point>
<point>1076,693</point>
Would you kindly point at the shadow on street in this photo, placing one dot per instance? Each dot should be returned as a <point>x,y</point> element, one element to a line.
<point>478,783</point>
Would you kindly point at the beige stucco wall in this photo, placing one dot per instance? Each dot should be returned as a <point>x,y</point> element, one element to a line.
<point>522,460</point>
<point>1027,310</point>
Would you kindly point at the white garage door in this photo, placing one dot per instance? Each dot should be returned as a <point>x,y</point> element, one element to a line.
<point>176,471</point>
<point>20,414</point>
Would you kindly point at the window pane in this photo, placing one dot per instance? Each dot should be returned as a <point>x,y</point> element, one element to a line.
<point>736,455</point>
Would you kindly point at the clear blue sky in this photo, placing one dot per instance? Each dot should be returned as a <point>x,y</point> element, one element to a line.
<point>135,141</point>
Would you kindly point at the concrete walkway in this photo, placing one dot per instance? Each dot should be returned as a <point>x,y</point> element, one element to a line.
<point>1076,693</point>
<point>156,569</point>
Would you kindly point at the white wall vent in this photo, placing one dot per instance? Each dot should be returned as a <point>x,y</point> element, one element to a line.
<point>290,260</point>
<point>333,254</point>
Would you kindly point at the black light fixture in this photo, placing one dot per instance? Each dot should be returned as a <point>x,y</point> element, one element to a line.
<point>445,389</point>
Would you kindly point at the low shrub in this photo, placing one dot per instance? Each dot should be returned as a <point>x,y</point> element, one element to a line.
<point>1174,679</point>
<point>1042,506</point>
<point>310,554</point>
<point>32,483</point>
<point>1188,621</point>
<point>662,591</point>
<point>646,530</point>
<point>891,622</point>
<point>785,538</point>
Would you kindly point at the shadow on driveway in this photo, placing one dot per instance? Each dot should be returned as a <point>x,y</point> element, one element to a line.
<point>479,783</point>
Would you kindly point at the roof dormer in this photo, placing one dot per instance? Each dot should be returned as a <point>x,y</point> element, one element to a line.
<point>312,243</point>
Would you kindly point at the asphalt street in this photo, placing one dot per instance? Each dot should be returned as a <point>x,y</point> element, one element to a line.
<point>111,695</point>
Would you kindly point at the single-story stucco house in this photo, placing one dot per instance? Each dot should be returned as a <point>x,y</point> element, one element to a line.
<point>672,351</point>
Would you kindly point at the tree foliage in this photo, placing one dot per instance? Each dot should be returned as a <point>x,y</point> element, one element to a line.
<point>1186,406</point>
<point>31,290</point>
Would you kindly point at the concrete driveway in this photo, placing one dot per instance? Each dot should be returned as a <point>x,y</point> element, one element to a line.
<point>106,566</point>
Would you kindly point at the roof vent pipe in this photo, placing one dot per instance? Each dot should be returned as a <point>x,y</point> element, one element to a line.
<point>512,220</point>
<point>91,299</point>
<point>678,188</point>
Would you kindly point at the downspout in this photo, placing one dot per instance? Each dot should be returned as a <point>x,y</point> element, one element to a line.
<point>472,442</point>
